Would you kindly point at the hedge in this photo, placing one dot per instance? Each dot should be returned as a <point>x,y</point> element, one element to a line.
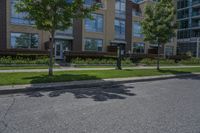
<point>24,60</point>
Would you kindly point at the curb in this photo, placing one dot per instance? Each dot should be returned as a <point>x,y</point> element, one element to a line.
<point>85,83</point>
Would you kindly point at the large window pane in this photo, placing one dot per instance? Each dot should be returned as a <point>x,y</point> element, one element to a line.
<point>94,45</point>
<point>120,9</point>
<point>18,18</point>
<point>24,40</point>
<point>137,29</point>
<point>138,48</point>
<point>119,29</point>
<point>94,25</point>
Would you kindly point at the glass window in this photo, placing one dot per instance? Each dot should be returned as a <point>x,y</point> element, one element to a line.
<point>119,29</point>
<point>138,48</point>
<point>169,50</point>
<point>92,2</point>
<point>120,5</point>
<point>69,1</point>
<point>137,29</point>
<point>94,45</point>
<point>136,13</point>
<point>136,1</point>
<point>120,9</point>
<point>89,2</point>
<point>18,18</point>
<point>24,40</point>
<point>94,25</point>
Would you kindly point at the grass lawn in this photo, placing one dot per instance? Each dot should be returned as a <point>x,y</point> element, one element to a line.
<point>90,66</point>
<point>31,78</point>
<point>24,67</point>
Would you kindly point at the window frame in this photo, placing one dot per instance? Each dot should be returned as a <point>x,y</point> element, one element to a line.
<point>30,39</point>
<point>93,39</point>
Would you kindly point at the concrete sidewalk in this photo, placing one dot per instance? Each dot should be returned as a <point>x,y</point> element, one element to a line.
<point>85,83</point>
<point>77,69</point>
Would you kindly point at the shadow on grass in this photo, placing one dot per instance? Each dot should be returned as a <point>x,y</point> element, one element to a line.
<point>60,78</point>
<point>175,72</point>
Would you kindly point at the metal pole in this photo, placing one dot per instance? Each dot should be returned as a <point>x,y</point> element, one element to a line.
<point>118,67</point>
<point>158,58</point>
<point>197,54</point>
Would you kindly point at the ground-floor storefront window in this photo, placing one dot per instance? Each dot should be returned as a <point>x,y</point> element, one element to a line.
<point>93,45</point>
<point>24,40</point>
<point>187,48</point>
<point>169,50</point>
<point>139,48</point>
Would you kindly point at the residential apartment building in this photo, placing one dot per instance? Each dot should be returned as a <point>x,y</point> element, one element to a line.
<point>188,16</point>
<point>117,21</point>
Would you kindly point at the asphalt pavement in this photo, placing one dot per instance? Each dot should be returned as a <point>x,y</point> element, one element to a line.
<point>162,106</point>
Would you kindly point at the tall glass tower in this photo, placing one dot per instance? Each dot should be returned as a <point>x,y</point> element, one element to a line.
<point>188,17</point>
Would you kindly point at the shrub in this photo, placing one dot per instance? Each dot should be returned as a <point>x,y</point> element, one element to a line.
<point>98,61</point>
<point>148,61</point>
<point>22,60</point>
<point>127,61</point>
<point>192,61</point>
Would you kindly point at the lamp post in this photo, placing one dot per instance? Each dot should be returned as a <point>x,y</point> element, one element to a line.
<point>158,56</point>
<point>119,57</point>
<point>198,41</point>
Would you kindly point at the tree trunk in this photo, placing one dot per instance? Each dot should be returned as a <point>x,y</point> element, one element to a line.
<point>51,55</point>
<point>158,58</point>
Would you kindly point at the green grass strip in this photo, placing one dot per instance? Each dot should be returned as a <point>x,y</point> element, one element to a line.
<point>36,77</point>
<point>24,67</point>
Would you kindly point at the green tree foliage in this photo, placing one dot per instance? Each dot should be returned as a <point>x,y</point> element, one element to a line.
<point>52,15</point>
<point>159,23</point>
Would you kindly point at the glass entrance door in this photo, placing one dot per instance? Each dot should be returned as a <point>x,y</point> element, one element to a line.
<point>61,46</point>
<point>58,50</point>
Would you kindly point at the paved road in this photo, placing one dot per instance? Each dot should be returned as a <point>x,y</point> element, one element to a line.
<point>78,69</point>
<point>168,106</point>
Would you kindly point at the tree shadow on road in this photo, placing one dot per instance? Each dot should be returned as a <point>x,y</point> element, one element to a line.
<point>101,93</point>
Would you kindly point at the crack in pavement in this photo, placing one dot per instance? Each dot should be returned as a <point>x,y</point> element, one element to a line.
<point>2,120</point>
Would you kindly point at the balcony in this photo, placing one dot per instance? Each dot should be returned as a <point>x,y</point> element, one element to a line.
<point>195,2</point>
<point>195,25</point>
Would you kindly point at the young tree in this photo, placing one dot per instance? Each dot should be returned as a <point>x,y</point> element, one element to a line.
<point>52,15</point>
<point>159,23</point>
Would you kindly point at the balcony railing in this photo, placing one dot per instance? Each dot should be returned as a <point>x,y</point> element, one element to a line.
<point>197,13</point>
<point>195,25</point>
<point>194,2</point>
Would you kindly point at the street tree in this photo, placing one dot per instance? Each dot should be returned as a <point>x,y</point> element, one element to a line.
<point>158,25</point>
<point>52,15</point>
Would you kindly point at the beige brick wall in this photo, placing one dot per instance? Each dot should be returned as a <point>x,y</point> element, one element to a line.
<point>108,32</point>
<point>43,36</point>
